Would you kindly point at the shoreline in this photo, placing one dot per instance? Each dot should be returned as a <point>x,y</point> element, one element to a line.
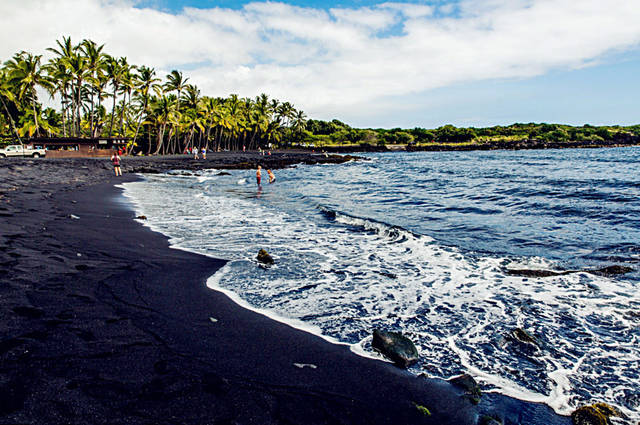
<point>487,146</point>
<point>104,322</point>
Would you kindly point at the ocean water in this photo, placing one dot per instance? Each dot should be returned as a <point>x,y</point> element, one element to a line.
<point>420,243</point>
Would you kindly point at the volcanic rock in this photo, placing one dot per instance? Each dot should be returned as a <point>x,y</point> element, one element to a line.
<point>469,385</point>
<point>611,270</point>
<point>396,347</point>
<point>605,271</point>
<point>595,414</point>
<point>264,257</point>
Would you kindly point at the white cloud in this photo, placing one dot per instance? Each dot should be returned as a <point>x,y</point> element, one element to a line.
<point>332,62</point>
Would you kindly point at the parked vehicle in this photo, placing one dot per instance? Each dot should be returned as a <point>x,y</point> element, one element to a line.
<point>22,150</point>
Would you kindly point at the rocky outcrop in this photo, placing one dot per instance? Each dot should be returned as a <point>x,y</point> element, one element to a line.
<point>619,141</point>
<point>595,414</point>
<point>488,420</point>
<point>264,257</point>
<point>604,271</point>
<point>611,270</point>
<point>469,385</point>
<point>396,347</point>
<point>523,342</point>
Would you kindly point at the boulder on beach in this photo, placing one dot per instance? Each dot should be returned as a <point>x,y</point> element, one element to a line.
<point>264,257</point>
<point>469,385</point>
<point>396,347</point>
<point>595,414</point>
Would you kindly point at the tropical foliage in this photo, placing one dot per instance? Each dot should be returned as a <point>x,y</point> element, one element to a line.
<point>104,96</point>
<point>328,133</point>
<point>100,95</point>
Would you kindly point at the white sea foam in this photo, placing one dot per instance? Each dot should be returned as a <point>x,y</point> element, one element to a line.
<point>340,277</point>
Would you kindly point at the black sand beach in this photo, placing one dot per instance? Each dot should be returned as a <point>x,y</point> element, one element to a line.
<point>103,323</point>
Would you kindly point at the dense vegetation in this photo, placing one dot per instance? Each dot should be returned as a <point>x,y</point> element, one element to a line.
<point>323,133</point>
<point>104,96</point>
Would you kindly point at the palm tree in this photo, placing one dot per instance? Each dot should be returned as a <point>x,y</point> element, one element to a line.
<point>77,66</point>
<point>60,73</point>
<point>114,72</point>
<point>176,82</point>
<point>299,123</point>
<point>145,79</point>
<point>128,84</point>
<point>6,95</point>
<point>62,79</point>
<point>24,73</point>
<point>94,62</point>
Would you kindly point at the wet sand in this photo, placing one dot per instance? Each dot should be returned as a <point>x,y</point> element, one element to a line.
<point>102,322</point>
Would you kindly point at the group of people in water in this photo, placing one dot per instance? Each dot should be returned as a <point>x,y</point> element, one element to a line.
<point>272,178</point>
<point>115,160</point>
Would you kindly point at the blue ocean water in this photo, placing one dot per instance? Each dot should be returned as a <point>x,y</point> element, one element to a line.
<point>420,243</point>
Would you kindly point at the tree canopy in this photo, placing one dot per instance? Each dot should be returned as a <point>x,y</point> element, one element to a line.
<point>104,96</point>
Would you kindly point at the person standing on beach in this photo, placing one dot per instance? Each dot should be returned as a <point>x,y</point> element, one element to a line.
<point>272,178</point>
<point>195,152</point>
<point>204,153</point>
<point>115,159</point>
<point>259,175</point>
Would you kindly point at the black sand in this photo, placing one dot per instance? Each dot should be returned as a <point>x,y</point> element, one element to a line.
<point>102,323</point>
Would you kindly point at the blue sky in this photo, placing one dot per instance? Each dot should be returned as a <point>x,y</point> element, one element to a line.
<point>373,63</point>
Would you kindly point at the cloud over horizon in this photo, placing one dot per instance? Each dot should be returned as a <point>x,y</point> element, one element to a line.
<point>332,62</point>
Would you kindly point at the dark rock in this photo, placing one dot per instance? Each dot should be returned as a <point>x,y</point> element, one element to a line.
<point>611,270</point>
<point>605,271</point>
<point>523,342</point>
<point>535,273</point>
<point>595,414</point>
<point>489,420</point>
<point>523,336</point>
<point>469,385</point>
<point>223,173</point>
<point>141,217</point>
<point>264,257</point>
<point>396,347</point>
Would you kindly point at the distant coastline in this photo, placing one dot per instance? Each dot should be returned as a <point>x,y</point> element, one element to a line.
<point>525,144</point>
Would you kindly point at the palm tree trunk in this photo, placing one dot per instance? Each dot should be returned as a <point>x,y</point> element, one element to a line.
<point>144,108</point>
<point>91,121</point>
<point>13,125</point>
<point>113,109</point>
<point>78,108</point>
<point>33,104</point>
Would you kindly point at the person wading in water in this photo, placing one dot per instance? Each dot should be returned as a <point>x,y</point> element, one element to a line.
<point>259,175</point>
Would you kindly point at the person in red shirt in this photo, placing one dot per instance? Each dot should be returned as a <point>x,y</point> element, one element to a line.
<point>115,159</point>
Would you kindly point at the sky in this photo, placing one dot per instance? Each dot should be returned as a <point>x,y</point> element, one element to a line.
<point>372,63</point>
